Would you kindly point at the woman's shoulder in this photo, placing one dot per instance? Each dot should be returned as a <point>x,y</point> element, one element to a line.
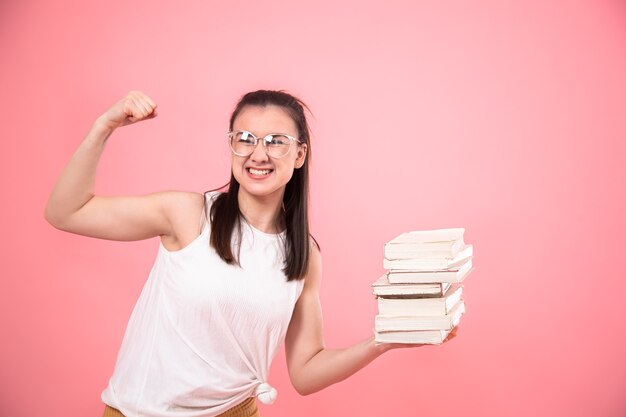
<point>313,276</point>
<point>183,201</point>
<point>186,211</point>
<point>177,202</point>
<point>211,196</point>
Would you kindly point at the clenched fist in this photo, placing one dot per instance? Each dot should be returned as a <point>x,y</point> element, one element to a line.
<point>136,106</point>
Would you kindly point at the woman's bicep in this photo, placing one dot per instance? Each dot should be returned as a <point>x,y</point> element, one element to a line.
<point>305,333</point>
<point>124,218</point>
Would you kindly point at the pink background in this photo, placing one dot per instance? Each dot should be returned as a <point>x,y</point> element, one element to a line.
<point>506,118</point>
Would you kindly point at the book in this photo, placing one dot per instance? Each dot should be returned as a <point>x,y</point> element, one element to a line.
<point>385,323</point>
<point>430,264</point>
<point>444,243</point>
<point>429,337</point>
<point>456,274</point>
<point>421,306</point>
<point>383,288</point>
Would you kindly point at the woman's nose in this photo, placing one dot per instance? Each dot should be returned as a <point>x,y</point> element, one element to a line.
<point>259,153</point>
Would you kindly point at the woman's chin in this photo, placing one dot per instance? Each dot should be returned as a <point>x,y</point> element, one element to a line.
<point>261,190</point>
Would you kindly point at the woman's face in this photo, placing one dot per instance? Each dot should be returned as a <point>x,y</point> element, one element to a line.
<point>259,174</point>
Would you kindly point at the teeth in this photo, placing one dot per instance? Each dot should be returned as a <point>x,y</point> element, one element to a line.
<point>259,171</point>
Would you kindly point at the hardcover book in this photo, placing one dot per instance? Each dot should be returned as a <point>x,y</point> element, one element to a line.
<point>430,264</point>
<point>383,288</point>
<point>428,337</point>
<point>386,323</point>
<point>421,306</point>
<point>456,274</point>
<point>425,243</point>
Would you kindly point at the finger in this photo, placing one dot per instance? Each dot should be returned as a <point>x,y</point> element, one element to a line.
<point>405,345</point>
<point>141,107</point>
<point>149,105</point>
<point>152,115</point>
<point>150,101</point>
<point>144,100</point>
<point>451,335</point>
<point>127,105</point>
<point>130,110</point>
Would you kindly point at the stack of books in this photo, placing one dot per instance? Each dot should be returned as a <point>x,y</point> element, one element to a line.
<point>420,297</point>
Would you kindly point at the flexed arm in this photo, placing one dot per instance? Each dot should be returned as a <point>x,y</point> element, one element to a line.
<point>72,205</point>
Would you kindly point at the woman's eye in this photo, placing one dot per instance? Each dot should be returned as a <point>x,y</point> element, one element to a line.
<point>278,140</point>
<point>245,137</point>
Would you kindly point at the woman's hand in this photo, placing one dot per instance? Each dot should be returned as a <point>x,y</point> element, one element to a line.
<point>136,106</point>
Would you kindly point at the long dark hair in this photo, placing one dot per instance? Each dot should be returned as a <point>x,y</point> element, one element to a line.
<point>225,214</point>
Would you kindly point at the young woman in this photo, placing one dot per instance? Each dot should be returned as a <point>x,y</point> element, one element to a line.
<point>237,272</point>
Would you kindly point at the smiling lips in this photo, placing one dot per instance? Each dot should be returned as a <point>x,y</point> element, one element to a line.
<point>259,172</point>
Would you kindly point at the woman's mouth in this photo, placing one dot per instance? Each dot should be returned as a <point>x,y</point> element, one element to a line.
<point>259,172</point>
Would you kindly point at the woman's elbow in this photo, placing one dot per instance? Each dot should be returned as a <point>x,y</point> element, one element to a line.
<point>305,386</point>
<point>55,220</point>
<point>303,389</point>
<point>50,217</point>
<point>60,217</point>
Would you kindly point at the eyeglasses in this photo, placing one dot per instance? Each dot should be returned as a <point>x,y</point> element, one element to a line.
<point>277,145</point>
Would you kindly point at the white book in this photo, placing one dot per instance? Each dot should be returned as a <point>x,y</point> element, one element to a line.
<point>425,243</point>
<point>421,306</point>
<point>383,288</point>
<point>456,274</point>
<point>427,337</point>
<point>430,264</point>
<point>386,323</point>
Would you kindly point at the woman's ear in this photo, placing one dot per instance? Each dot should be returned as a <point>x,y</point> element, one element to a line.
<point>301,156</point>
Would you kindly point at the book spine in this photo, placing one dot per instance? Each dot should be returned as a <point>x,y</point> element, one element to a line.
<point>428,337</point>
<point>425,277</point>
<point>430,307</point>
<point>394,323</point>
<point>421,306</point>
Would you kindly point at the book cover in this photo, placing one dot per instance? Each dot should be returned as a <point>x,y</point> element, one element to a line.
<point>386,323</point>
<point>425,243</point>
<point>427,337</point>
<point>438,306</point>
<point>457,274</point>
<point>430,264</point>
<point>383,288</point>
<point>442,236</point>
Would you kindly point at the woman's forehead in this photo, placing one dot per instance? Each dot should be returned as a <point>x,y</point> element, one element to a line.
<point>265,119</point>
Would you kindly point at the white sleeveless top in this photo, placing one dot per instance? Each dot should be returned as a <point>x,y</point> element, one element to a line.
<point>203,333</point>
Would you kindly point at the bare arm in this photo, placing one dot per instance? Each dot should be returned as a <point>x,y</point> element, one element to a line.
<point>311,365</point>
<point>72,205</point>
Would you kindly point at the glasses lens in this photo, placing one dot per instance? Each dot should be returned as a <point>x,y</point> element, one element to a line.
<point>277,145</point>
<point>242,143</point>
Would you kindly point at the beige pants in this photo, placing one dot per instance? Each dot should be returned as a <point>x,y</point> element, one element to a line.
<point>244,409</point>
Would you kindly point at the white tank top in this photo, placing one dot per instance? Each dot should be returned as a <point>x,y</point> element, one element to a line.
<point>203,333</point>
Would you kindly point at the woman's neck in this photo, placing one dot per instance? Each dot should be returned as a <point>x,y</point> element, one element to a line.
<point>263,213</point>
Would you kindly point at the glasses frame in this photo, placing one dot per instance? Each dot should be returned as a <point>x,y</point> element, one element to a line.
<point>266,139</point>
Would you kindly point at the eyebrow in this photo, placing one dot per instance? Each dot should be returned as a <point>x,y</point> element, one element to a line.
<point>262,136</point>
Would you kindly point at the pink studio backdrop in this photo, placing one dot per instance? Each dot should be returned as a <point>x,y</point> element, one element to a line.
<point>506,118</point>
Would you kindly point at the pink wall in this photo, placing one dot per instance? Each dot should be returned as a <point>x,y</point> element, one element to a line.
<point>506,118</point>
